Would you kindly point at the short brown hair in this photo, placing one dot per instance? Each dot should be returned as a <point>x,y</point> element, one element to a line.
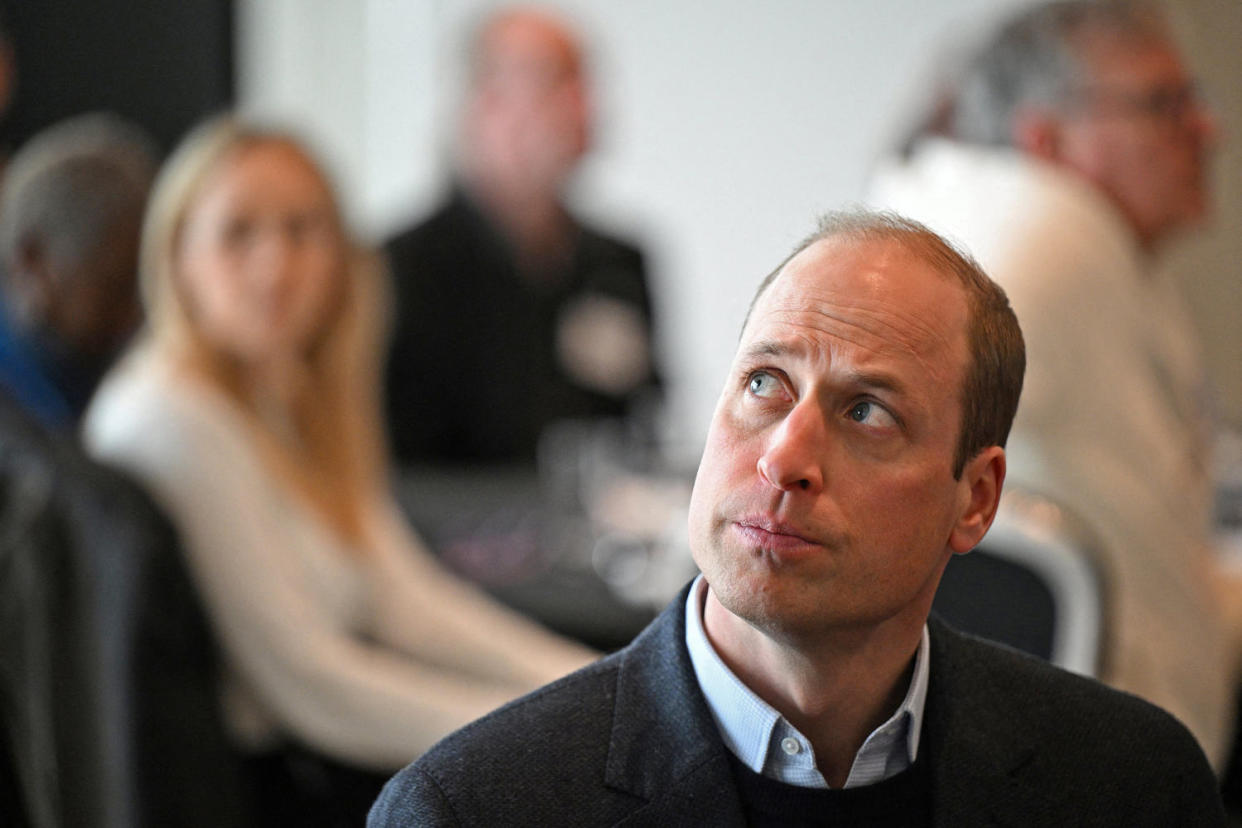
<point>993,380</point>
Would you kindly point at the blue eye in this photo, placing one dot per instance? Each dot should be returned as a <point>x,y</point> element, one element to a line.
<point>872,414</point>
<point>763,384</point>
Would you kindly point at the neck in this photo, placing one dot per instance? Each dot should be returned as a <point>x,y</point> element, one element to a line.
<point>835,690</point>
<point>297,436</point>
<point>530,216</point>
<point>277,385</point>
<point>270,390</point>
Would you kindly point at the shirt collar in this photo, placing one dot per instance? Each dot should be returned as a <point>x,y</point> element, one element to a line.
<point>766,743</point>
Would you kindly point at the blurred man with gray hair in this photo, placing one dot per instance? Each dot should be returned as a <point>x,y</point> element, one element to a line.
<point>70,214</point>
<point>1070,149</point>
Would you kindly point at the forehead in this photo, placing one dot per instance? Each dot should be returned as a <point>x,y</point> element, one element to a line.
<point>865,302</point>
<point>278,158</point>
<point>265,170</point>
<point>532,43</point>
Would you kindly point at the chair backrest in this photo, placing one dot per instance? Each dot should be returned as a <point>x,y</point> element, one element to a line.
<point>1032,584</point>
<point>108,673</point>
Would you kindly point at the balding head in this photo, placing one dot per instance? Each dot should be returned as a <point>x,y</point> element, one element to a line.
<point>526,122</point>
<point>522,40</point>
<point>997,353</point>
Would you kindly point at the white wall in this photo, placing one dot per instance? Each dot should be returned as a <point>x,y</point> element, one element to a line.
<point>725,127</point>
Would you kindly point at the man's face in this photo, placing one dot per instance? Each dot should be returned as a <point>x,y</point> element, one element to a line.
<point>537,98</point>
<point>1141,135</point>
<point>93,305</point>
<point>826,498</point>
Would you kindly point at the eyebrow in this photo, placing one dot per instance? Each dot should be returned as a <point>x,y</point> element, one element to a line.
<point>767,347</point>
<point>880,380</point>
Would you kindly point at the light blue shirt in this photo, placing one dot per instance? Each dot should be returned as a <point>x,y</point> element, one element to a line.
<point>768,744</point>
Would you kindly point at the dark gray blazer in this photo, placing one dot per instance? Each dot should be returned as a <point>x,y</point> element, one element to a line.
<point>630,741</point>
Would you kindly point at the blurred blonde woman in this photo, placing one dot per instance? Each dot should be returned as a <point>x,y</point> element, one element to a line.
<point>249,407</point>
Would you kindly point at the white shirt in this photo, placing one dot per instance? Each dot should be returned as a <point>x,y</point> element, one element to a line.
<point>769,745</point>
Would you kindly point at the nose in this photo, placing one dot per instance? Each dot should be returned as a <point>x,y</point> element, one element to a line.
<point>1207,125</point>
<point>1203,121</point>
<point>794,455</point>
<point>274,257</point>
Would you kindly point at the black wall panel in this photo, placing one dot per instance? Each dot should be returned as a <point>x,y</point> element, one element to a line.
<point>161,63</point>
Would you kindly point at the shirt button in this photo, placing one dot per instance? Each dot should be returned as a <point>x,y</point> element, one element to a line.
<point>791,746</point>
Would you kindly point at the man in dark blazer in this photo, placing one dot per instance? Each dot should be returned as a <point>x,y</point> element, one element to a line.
<point>857,445</point>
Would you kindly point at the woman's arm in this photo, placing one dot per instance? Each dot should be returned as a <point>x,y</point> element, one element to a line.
<point>428,612</point>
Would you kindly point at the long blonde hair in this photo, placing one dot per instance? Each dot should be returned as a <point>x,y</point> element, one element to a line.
<point>337,461</point>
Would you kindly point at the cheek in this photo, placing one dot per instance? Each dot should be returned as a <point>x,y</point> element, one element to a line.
<point>721,470</point>
<point>728,454</point>
<point>1099,149</point>
<point>199,289</point>
<point>1184,171</point>
<point>213,289</point>
<point>915,510</point>
<point>703,496</point>
<point>322,291</point>
<point>1134,165</point>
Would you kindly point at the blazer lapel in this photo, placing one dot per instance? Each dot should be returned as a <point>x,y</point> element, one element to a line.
<point>665,746</point>
<point>705,796</point>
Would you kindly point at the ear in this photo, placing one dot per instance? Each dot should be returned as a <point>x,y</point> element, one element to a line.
<point>1036,132</point>
<point>32,281</point>
<point>981,483</point>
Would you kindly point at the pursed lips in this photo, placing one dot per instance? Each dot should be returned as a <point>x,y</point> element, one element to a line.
<point>768,533</point>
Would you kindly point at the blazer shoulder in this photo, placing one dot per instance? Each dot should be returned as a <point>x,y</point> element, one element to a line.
<point>1032,680</point>
<point>568,718</point>
<point>412,797</point>
<point>554,741</point>
<point>1012,734</point>
<point>1091,722</point>
<point>551,717</point>
<point>573,741</point>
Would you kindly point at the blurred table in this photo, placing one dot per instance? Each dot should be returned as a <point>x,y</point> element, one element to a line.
<point>596,566</point>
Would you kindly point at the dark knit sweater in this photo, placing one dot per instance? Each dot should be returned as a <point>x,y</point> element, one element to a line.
<point>901,801</point>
